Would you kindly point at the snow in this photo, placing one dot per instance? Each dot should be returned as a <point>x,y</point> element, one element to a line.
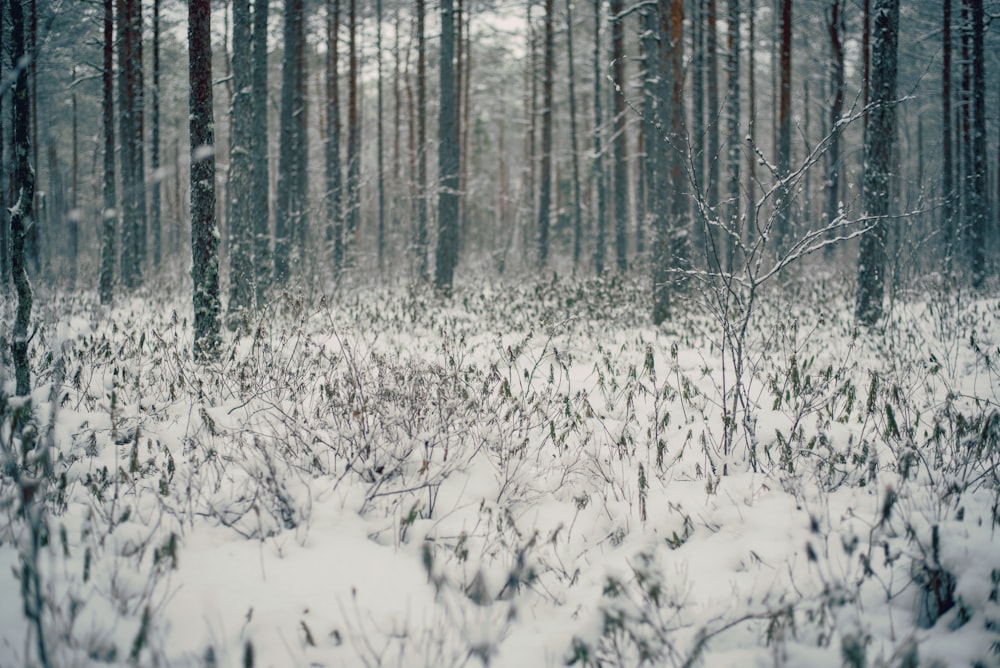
<point>520,476</point>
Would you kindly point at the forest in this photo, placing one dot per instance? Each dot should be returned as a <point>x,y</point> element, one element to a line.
<point>499,332</point>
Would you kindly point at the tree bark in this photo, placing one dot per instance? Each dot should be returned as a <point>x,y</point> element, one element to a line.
<point>879,139</point>
<point>574,147</point>
<point>290,210</point>
<point>733,138</point>
<point>448,157</point>
<point>109,214</point>
<point>545,186</point>
<point>600,177</point>
<point>204,231</point>
<point>156,222</point>
<point>620,138</point>
<point>978,205</point>
<point>421,240</point>
<point>379,141</point>
<point>261,209</point>
<point>353,134</point>
<point>783,214</point>
<point>835,27</point>
<point>241,275</point>
<point>22,211</point>
<point>334,182</point>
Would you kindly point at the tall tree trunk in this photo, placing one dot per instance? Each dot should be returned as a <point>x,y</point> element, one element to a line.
<point>379,141</point>
<point>448,157</point>
<point>669,243</point>
<point>783,213</point>
<point>21,213</point>
<point>334,184</point>
<point>698,93</point>
<point>947,182</point>
<point>620,138</point>
<point>204,231</point>
<point>751,187</point>
<point>600,177</point>
<point>574,147</point>
<point>290,211</point>
<point>156,222</point>
<point>353,133</point>
<point>835,27</point>
<point>261,209</point>
<point>73,218</point>
<point>109,214</point>
<point>977,184</point>
<point>545,189</point>
<point>879,141</point>
<point>130,130</point>
<point>712,89</point>
<point>241,291</point>
<point>421,241</point>
<point>733,137</point>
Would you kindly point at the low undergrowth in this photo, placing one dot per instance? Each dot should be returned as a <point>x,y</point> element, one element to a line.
<point>525,474</point>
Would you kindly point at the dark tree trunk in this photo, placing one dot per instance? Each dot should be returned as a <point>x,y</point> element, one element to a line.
<point>670,239</point>
<point>783,214</point>
<point>5,240</point>
<point>130,129</point>
<point>448,157</point>
<point>620,138</point>
<point>574,147</point>
<point>421,240</point>
<point>751,187</point>
<point>109,214</point>
<point>261,210</point>
<point>879,139</point>
<point>600,176</point>
<point>353,133</point>
<point>698,93</point>
<point>733,137</point>
<point>241,277</point>
<point>978,205</point>
<point>290,210</point>
<point>947,177</point>
<point>835,26</point>
<point>545,185</point>
<point>334,184</point>
<point>712,89</point>
<point>156,222</point>
<point>21,213</point>
<point>204,231</point>
<point>379,148</point>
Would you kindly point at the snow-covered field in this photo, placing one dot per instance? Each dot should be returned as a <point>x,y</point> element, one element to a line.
<point>525,475</point>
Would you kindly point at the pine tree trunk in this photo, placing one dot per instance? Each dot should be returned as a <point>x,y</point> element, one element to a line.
<point>879,141</point>
<point>261,209</point>
<point>379,140</point>
<point>977,184</point>
<point>22,211</point>
<point>620,138</point>
<point>733,137</point>
<point>109,215</point>
<point>448,157</point>
<point>241,291</point>
<point>156,222</point>
<point>334,184</point>
<point>835,27</point>
<point>353,135</point>
<point>574,147</point>
<point>600,177</point>
<point>545,189</point>
<point>782,221</point>
<point>204,231</point>
<point>421,241</point>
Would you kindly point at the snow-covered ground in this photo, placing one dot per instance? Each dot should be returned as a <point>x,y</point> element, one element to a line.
<point>523,476</point>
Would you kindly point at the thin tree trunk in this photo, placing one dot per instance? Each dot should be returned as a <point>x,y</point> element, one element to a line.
<point>353,134</point>
<point>379,141</point>
<point>574,148</point>
<point>751,187</point>
<point>620,138</point>
<point>545,191</point>
<point>835,27</point>
<point>421,242</point>
<point>600,178</point>
<point>20,218</point>
<point>783,214</point>
<point>334,183</point>
<point>156,223</point>
<point>977,184</point>
<point>109,214</point>
<point>733,138</point>
<point>259,147</point>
